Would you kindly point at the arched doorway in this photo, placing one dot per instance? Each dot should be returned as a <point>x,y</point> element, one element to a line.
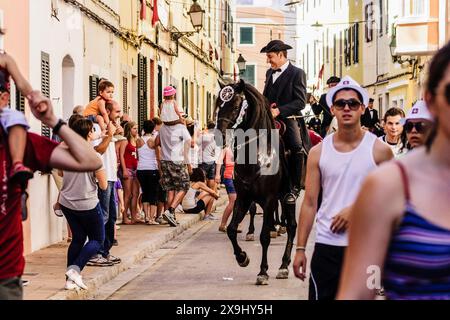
<point>68,83</point>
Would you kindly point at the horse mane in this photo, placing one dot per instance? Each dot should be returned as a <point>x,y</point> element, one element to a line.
<point>259,116</point>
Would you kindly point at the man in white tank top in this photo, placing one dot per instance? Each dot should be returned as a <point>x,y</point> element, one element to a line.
<point>337,166</point>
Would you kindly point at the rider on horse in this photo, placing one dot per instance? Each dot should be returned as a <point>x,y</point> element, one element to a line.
<point>285,89</point>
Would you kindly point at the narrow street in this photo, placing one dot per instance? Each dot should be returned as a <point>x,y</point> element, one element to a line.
<point>200,265</point>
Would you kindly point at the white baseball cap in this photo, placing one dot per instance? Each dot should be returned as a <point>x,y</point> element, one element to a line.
<point>418,111</point>
<point>348,83</point>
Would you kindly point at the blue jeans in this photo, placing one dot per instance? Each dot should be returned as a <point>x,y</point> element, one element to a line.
<point>108,205</point>
<point>84,224</point>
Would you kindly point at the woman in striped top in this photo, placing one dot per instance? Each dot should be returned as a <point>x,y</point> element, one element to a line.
<point>400,224</point>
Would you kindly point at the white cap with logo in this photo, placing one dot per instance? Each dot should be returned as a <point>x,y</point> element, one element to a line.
<point>418,111</point>
<point>348,83</point>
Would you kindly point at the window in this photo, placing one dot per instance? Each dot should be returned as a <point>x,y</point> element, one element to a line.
<point>355,40</point>
<point>380,23</point>
<point>369,22</point>
<point>418,8</point>
<point>347,47</point>
<point>45,85</point>
<point>246,35</point>
<point>142,90</point>
<point>414,8</point>
<point>20,101</point>
<point>93,86</point>
<point>125,94</point>
<point>334,54</point>
<point>249,74</point>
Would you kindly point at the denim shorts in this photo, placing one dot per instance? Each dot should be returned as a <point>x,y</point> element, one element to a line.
<point>132,173</point>
<point>229,185</point>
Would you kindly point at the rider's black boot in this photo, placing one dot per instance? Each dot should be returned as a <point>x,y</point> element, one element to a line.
<point>298,182</point>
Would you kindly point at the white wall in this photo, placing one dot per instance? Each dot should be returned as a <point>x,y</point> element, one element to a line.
<point>58,39</point>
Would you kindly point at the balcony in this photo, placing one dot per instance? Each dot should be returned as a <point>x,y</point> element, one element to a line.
<point>416,36</point>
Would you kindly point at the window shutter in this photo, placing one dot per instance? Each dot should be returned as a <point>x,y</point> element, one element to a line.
<point>93,87</point>
<point>125,94</point>
<point>356,43</point>
<point>20,101</point>
<point>45,85</point>
<point>142,90</point>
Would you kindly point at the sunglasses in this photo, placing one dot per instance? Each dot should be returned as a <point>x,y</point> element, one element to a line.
<point>353,104</point>
<point>421,127</point>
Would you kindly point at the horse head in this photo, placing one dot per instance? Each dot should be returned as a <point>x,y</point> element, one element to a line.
<point>229,105</point>
<point>241,106</point>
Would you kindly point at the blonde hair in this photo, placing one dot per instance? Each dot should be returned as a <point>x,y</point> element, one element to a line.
<point>127,130</point>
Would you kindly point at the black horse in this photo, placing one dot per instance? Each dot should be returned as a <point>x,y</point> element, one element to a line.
<point>241,106</point>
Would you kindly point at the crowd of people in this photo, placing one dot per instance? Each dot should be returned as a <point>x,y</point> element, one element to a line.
<point>381,229</point>
<point>145,176</point>
<point>368,182</point>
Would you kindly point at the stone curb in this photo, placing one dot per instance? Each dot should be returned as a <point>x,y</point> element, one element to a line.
<point>109,273</point>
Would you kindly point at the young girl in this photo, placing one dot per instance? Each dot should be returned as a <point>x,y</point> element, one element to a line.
<point>169,113</point>
<point>129,163</point>
<point>199,197</point>
<point>227,160</point>
<point>96,110</point>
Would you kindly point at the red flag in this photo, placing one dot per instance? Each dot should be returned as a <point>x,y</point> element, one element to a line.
<point>143,10</point>
<point>320,75</point>
<point>155,17</point>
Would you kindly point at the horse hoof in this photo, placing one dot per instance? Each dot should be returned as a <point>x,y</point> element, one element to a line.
<point>250,237</point>
<point>283,274</point>
<point>262,280</point>
<point>245,261</point>
<point>282,230</point>
<point>273,234</point>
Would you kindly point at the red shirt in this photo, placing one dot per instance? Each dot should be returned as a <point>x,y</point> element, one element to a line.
<point>314,137</point>
<point>37,156</point>
<point>130,156</point>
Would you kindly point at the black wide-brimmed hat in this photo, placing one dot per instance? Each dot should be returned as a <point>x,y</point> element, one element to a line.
<point>275,46</point>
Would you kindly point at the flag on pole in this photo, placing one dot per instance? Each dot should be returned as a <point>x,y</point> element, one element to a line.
<point>143,10</point>
<point>320,76</point>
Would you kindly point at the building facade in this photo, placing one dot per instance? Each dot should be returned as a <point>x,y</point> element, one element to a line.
<point>64,47</point>
<point>257,24</point>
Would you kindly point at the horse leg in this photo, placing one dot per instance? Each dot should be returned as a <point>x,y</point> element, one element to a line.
<point>264,238</point>
<point>289,210</point>
<point>251,228</point>
<point>240,209</point>
<point>282,229</point>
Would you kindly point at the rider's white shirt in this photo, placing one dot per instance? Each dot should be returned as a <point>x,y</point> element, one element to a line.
<point>277,74</point>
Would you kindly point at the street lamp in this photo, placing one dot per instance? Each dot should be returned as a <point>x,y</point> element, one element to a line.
<point>196,14</point>
<point>241,63</point>
<point>393,47</point>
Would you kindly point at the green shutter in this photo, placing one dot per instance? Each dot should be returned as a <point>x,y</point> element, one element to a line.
<point>249,74</point>
<point>246,35</point>
<point>45,85</point>
<point>142,90</point>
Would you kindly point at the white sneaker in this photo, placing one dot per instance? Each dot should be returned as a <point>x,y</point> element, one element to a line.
<point>73,275</point>
<point>70,285</point>
<point>169,218</point>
